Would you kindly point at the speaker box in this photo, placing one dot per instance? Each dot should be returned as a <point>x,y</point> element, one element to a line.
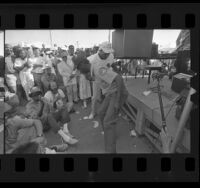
<point>132,43</point>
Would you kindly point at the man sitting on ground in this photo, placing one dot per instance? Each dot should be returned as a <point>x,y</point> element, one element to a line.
<point>39,109</point>
<point>20,130</point>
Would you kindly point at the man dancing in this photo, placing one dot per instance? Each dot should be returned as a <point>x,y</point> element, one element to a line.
<point>114,95</point>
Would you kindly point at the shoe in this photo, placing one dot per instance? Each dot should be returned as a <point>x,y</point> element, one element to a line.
<point>91,116</point>
<point>60,148</point>
<point>133,133</point>
<point>66,138</point>
<point>69,134</point>
<point>66,130</point>
<point>72,141</point>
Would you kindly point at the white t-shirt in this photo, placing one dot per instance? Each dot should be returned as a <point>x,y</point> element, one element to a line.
<point>103,75</point>
<point>97,62</point>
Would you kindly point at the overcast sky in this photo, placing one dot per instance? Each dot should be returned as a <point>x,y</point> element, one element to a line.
<point>82,38</point>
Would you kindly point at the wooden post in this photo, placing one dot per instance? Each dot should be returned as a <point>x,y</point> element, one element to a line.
<point>184,117</point>
<point>140,121</point>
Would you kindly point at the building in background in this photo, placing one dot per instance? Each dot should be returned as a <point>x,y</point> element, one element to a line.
<point>183,41</point>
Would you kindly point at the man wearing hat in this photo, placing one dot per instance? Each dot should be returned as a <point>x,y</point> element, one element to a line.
<point>19,130</point>
<point>38,109</point>
<point>103,58</point>
<point>114,95</point>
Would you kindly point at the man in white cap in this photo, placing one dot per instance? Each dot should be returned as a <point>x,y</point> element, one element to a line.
<point>103,58</point>
<point>114,95</point>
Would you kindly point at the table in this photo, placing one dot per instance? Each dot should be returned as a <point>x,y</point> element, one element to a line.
<point>150,68</point>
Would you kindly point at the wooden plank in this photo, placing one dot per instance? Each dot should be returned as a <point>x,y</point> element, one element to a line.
<point>153,141</point>
<point>140,122</point>
<point>129,115</point>
<point>152,132</point>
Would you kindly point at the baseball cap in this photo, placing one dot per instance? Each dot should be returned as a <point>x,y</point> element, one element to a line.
<point>106,47</point>
<point>35,91</point>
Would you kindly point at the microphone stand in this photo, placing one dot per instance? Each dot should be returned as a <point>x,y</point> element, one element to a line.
<point>158,77</point>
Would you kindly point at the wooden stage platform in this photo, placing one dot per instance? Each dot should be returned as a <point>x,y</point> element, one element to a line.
<point>145,110</point>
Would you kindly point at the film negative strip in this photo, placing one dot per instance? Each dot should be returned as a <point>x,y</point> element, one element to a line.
<point>130,28</point>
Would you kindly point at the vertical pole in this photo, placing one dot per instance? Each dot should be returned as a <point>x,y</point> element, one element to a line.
<point>51,38</point>
<point>109,35</point>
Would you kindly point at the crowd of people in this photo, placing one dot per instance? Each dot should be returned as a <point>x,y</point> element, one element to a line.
<point>49,82</point>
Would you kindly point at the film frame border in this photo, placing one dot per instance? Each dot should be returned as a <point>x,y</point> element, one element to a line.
<point>94,167</point>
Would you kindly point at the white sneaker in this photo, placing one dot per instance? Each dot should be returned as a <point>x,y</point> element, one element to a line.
<point>66,138</point>
<point>133,133</point>
<point>72,141</point>
<point>91,116</point>
<point>66,130</point>
<point>69,134</point>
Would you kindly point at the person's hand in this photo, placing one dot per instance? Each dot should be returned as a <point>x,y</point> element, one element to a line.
<point>166,140</point>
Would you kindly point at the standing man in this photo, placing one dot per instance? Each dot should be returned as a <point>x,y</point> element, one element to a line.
<point>103,58</point>
<point>114,95</point>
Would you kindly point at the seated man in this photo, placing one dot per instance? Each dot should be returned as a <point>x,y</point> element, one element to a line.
<point>19,130</point>
<point>59,117</point>
<point>47,78</point>
<point>39,109</point>
<point>53,94</point>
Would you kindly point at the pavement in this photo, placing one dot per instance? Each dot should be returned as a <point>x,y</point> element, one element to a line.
<point>91,139</point>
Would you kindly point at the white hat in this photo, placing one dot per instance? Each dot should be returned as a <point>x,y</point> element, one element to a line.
<point>37,45</point>
<point>106,47</point>
<point>49,52</point>
<point>63,48</point>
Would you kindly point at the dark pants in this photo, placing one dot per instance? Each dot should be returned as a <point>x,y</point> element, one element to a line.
<point>57,119</point>
<point>108,119</point>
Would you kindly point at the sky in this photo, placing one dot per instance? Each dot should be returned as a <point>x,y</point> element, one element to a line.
<point>81,38</point>
<point>1,43</point>
<point>166,38</point>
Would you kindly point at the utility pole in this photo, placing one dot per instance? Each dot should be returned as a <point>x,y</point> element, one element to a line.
<point>109,35</point>
<point>77,44</point>
<point>51,38</point>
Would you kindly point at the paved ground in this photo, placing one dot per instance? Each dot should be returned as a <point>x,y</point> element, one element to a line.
<point>91,140</point>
